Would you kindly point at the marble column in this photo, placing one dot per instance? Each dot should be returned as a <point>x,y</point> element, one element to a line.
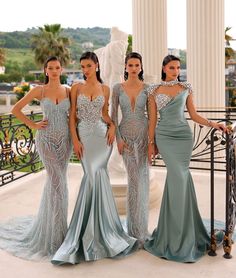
<point>150,35</point>
<point>205,52</point>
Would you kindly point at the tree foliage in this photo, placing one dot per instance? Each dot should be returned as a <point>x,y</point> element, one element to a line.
<point>50,42</point>
<point>2,57</point>
<point>229,52</point>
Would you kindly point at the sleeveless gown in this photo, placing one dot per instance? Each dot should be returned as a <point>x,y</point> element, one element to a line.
<point>39,237</point>
<point>133,129</point>
<point>95,230</point>
<point>180,234</point>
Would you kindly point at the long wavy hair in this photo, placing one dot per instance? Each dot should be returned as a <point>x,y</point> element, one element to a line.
<point>92,56</point>
<point>134,55</point>
<point>52,58</point>
<point>166,61</point>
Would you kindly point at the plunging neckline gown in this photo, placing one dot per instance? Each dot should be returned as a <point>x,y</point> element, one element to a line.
<point>133,129</point>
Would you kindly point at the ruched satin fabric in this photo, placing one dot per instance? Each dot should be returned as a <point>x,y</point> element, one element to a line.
<point>180,234</point>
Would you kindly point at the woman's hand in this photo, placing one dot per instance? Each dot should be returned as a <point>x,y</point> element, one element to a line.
<point>111,134</point>
<point>219,126</point>
<point>121,145</point>
<point>78,149</point>
<point>40,125</point>
<point>152,152</point>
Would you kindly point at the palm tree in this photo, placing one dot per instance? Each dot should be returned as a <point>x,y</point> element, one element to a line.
<point>50,42</point>
<point>2,57</point>
<point>229,52</point>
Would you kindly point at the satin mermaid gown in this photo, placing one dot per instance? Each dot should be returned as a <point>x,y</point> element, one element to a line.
<point>38,237</point>
<point>180,234</point>
<point>95,230</point>
<point>133,129</point>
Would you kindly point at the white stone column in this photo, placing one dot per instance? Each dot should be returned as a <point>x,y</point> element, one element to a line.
<point>205,52</point>
<point>150,35</point>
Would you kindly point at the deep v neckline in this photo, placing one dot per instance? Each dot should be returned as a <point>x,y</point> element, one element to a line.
<point>130,103</point>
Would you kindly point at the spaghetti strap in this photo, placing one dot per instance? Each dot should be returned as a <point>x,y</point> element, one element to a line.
<point>42,91</point>
<point>67,92</point>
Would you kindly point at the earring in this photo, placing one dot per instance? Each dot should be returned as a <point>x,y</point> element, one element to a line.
<point>96,69</point>
<point>46,74</point>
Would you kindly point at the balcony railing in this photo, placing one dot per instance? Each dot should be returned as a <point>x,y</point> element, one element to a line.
<point>18,155</point>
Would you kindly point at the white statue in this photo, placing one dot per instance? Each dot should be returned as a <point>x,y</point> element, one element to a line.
<point>112,57</point>
<point>112,64</point>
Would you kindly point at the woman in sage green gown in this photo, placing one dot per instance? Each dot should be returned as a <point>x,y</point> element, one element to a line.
<point>180,234</point>
<point>95,230</point>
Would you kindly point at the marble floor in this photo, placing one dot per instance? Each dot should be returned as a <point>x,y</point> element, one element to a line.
<point>22,197</point>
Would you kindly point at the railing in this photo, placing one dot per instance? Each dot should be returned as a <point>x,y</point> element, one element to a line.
<point>230,199</point>
<point>18,155</point>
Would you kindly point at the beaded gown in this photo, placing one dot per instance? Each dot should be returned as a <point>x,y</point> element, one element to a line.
<point>180,234</point>
<point>95,230</point>
<point>36,237</point>
<point>133,129</point>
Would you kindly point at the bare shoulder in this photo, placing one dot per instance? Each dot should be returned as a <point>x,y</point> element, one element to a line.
<point>76,87</point>
<point>36,92</point>
<point>106,90</point>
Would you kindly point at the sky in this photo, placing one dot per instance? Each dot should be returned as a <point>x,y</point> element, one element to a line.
<point>18,15</point>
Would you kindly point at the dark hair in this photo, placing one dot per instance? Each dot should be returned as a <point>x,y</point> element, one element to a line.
<point>92,56</point>
<point>166,61</point>
<point>134,55</point>
<point>52,58</point>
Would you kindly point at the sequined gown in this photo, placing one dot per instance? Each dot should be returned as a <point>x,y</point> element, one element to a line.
<point>180,234</point>
<point>95,231</point>
<point>36,237</point>
<point>133,129</point>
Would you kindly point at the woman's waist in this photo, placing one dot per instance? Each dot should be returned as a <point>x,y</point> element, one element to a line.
<point>90,127</point>
<point>59,134</point>
<point>174,130</point>
<point>134,121</point>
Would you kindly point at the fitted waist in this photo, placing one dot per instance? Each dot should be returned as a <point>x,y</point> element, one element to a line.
<point>86,128</point>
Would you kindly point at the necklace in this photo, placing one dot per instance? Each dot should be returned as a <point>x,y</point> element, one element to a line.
<point>169,83</point>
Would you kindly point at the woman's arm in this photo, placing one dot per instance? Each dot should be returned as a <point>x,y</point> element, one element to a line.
<point>199,119</point>
<point>78,147</point>
<point>152,121</point>
<point>114,113</point>
<point>106,117</point>
<point>16,110</point>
